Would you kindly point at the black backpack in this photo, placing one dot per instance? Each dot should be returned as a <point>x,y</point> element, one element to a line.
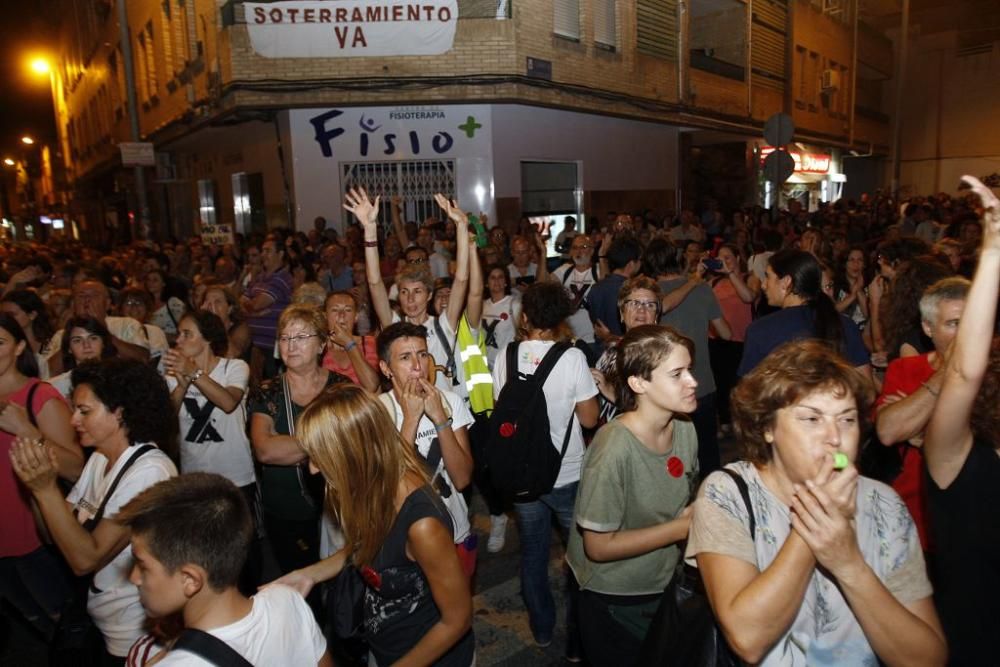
<point>522,462</point>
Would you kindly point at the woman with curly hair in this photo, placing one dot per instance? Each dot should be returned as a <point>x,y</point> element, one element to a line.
<point>122,410</point>
<point>961,447</point>
<point>809,563</point>
<point>900,308</point>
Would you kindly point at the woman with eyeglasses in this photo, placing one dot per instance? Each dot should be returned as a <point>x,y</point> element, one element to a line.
<point>352,356</point>
<point>291,498</point>
<point>639,304</point>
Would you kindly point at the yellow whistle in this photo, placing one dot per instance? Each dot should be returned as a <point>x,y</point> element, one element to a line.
<point>840,461</point>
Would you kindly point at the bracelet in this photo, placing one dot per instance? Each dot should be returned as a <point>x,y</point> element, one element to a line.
<point>443,425</point>
<point>933,392</point>
<point>371,244</point>
<point>350,346</point>
<point>194,377</point>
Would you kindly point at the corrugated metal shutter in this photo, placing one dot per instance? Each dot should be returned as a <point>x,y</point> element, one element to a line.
<point>770,44</point>
<point>657,28</point>
<point>566,18</point>
<point>604,22</point>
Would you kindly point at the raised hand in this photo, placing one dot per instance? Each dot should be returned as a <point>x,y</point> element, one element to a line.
<point>433,402</point>
<point>450,207</point>
<point>410,395</point>
<point>991,213</point>
<point>363,208</point>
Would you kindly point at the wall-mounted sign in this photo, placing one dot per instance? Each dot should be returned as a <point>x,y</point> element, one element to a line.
<point>809,163</point>
<point>393,133</point>
<point>323,29</point>
<point>137,154</point>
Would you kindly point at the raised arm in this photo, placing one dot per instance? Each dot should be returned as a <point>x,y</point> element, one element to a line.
<point>948,440</point>
<point>366,211</point>
<point>542,272</point>
<point>460,285</point>
<point>474,304</point>
<point>396,213</point>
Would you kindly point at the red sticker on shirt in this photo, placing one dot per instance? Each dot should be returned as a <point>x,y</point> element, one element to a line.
<point>371,577</point>
<point>503,316</point>
<point>507,429</point>
<point>675,466</point>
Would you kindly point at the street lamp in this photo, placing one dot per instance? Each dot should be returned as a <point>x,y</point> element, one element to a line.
<point>27,140</point>
<point>40,66</point>
<point>9,162</point>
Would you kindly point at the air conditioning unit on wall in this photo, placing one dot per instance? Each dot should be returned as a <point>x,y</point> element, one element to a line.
<point>830,80</point>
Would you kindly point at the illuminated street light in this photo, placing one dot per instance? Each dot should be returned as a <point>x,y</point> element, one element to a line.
<point>27,140</point>
<point>9,162</point>
<point>40,66</point>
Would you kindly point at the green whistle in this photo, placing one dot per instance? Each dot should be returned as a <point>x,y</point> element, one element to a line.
<point>840,461</point>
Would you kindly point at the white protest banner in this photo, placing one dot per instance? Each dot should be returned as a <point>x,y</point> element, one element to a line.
<point>346,28</point>
<point>216,234</point>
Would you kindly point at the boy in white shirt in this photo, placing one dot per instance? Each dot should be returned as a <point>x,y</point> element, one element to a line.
<point>190,536</point>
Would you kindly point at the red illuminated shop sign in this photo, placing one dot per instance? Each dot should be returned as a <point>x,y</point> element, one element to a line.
<point>810,163</point>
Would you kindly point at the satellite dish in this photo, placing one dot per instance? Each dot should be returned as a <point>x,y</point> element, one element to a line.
<point>779,129</point>
<point>778,166</point>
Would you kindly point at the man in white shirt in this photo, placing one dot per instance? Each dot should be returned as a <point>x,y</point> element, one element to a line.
<point>578,277</point>
<point>190,536</point>
<point>522,270</point>
<point>91,299</point>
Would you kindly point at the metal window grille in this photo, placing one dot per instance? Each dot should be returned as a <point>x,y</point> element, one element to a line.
<point>416,181</point>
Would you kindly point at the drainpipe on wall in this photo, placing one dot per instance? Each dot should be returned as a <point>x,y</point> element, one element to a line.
<point>749,70</point>
<point>854,76</point>
<point>683,58</point>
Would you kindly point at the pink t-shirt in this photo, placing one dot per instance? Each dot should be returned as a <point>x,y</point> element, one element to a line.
<point>736,312</point>
<point>19,535</point>
<point>368,351</point>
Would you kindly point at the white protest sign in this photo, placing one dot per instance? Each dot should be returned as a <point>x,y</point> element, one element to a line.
<point>318,29</point>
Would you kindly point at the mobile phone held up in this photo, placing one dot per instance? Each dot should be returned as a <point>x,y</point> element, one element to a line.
<point>712,264</point>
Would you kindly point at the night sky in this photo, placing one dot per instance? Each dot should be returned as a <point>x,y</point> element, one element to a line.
<point>26,102</point>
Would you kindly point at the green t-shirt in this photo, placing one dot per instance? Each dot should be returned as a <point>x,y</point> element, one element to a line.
<point>626,486</point>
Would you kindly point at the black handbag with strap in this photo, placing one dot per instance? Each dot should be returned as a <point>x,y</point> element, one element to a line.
<point>684,630</point>
<point>211,648</point>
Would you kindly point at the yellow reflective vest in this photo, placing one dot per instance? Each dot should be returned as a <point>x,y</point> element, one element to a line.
<point>478,380</point>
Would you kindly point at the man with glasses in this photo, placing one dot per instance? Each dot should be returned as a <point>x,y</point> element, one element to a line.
<point>623,263</point>
<point>578,277</point>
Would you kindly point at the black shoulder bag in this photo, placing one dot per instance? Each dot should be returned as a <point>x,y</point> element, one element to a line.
<point>684,630</point>
<point>211,648</point>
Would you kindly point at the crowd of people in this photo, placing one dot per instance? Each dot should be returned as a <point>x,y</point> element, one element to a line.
<point>264,450</point>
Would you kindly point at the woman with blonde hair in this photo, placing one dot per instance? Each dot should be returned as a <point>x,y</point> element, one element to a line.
<point>417,602</point>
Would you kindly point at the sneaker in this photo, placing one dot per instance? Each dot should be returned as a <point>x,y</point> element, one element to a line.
<point>498,533</point>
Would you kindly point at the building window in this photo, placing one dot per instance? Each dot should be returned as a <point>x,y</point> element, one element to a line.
<point>166,30</point>
<point>152,82</point>
<point>656,28</point>
<point>566,18</point>
<point>718,38</point>
<point>605,23</point>
<point>206,201</point>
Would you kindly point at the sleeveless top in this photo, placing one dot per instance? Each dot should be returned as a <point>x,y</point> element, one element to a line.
<point>401,609</point>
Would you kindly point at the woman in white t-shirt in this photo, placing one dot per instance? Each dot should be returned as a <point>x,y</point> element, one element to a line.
<point>571,400</point>
<point>122,410</point>
<point>501,310</point>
